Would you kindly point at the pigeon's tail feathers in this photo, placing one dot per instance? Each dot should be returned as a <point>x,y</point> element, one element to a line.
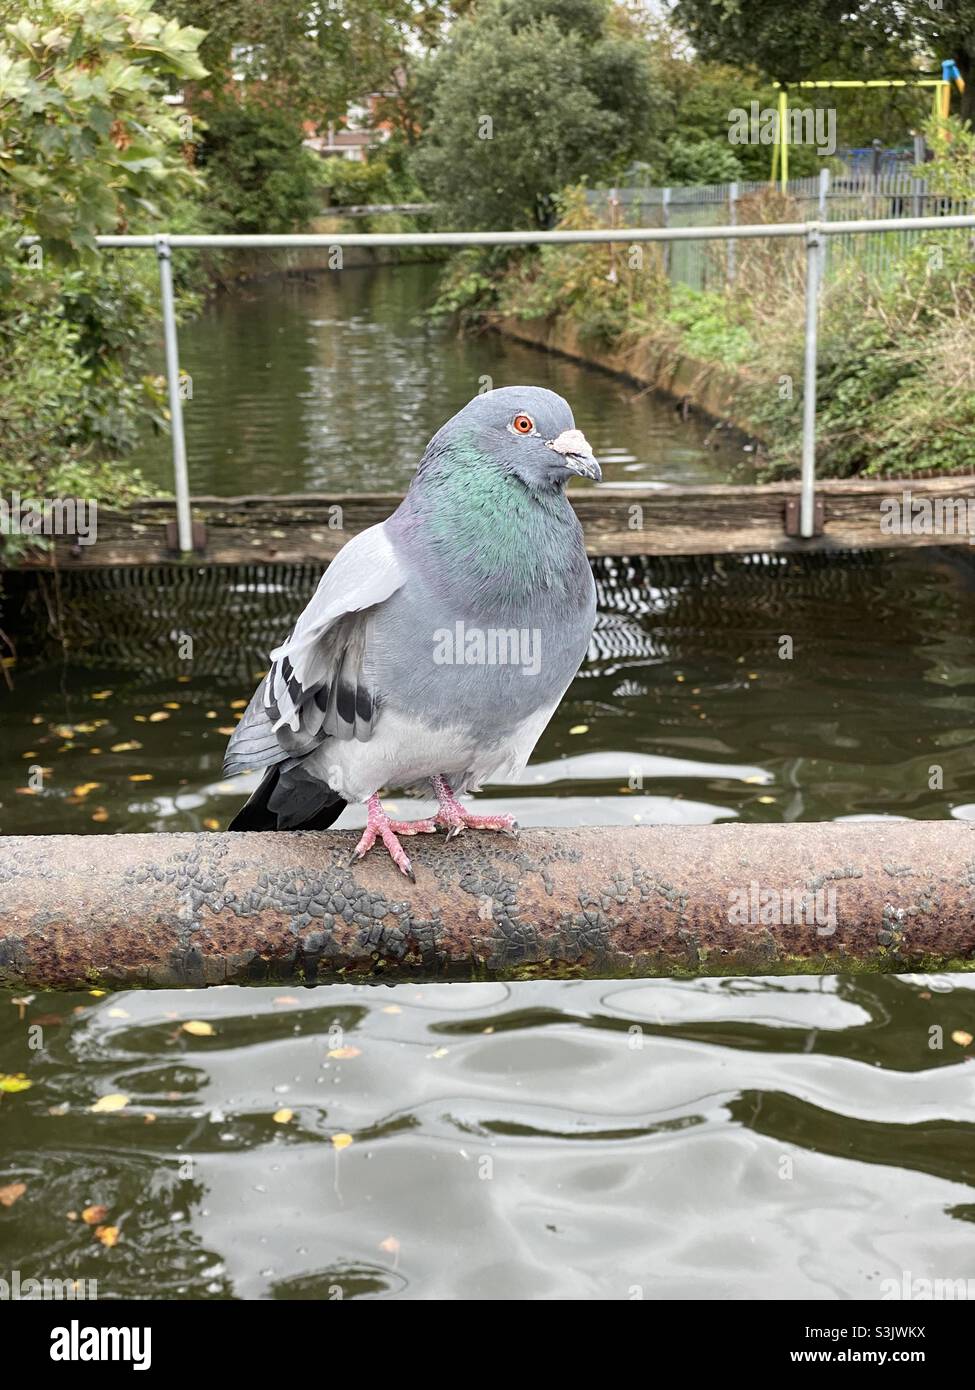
<point>253,743</point>
<point>283,802</point>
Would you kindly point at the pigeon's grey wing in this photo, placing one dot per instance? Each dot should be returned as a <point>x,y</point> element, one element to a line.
<point>316,687</point>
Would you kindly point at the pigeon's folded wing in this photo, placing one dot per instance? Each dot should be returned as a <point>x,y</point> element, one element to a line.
<point>316,687</point>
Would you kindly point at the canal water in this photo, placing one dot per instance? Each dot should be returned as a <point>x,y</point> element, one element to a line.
<point>714,1138</point>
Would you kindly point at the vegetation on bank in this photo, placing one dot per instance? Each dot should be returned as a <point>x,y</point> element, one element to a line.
<point>896,380</point>
<point>86,147</point>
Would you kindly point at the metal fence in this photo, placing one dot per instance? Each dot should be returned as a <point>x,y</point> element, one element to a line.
<point>815,235</point>
<point>824,197</point>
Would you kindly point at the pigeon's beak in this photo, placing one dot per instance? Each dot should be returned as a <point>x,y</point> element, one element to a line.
<point>577,454</point>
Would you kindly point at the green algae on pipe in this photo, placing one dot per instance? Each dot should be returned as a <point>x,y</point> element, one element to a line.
<point>124,911</point>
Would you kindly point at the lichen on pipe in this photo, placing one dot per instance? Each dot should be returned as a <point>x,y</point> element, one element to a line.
<point>123,911</point>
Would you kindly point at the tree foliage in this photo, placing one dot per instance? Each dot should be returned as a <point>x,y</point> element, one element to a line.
<point>311,58</point>
<point>833,38</point>
<point>259,176</point>
<point>526,97</point>
<point>87,146</point>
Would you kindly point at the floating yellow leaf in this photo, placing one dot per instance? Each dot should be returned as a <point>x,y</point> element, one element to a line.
<point>12,1083</point>
<point>343,1052</point>
<point>962,1038</point>
<point>94,1216</point>
<point>84,788</point>
<point>759,780</point>
<point>282,1117</point>
<point>212,714</point>
<point>105,1105</point>
<point>26,791</point>
<point>223,729</point>
<point>131,746</point>
<point>170,704</point>
<point>238,704</point>
<point>28,755</point>
<point>439,1052</point>
<point>158,716</point>
<point>100,814</point>
<point>341,1141</point>
<point>579,729</point>
<point>183,679</point>
<point>108,1235</point>
<point>211,823</point>
<point>140,719</point>
<point>140,776</point>
<point>12,1193</point>
<point>101,694</point>
<point>118,1013</point>
<point>98,993</point>
<point>766,800</point>
<point>199,1029</point>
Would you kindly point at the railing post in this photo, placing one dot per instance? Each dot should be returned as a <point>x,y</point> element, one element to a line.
<point>184,518</point>
<point>823,214</point>
<point>732,222</point>
<point>807,505</point>
<point>665,222</point>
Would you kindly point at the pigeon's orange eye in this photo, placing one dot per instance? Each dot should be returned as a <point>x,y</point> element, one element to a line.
<point>523,424</point>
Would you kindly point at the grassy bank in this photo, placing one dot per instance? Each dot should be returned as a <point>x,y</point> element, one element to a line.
<point>896,381</point>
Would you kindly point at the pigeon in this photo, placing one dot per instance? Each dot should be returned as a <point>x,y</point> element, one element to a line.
<point>440,642</point>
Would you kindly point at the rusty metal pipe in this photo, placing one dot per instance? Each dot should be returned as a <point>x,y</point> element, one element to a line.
<point>128,911</point>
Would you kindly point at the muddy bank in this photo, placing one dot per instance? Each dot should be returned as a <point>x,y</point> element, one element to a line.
<point>705,387</point>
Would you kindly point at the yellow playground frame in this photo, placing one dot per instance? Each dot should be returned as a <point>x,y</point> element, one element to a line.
<point>941,105</point>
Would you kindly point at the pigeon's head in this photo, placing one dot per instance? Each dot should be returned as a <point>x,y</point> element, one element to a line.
<point>529,431</point>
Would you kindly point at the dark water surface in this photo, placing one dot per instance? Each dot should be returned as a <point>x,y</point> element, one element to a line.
<point>337,381</point>
<point>709,1139</point>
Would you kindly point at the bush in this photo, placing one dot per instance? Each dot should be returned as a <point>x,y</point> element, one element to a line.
<point>260,177</point>
<point>87,146</point>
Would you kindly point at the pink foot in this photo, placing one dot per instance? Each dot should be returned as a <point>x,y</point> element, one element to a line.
<point>455,818</point>
<point>379,825</point>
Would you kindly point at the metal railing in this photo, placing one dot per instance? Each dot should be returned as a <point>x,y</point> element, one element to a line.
<point>826,196</point>
<point>814,235</point>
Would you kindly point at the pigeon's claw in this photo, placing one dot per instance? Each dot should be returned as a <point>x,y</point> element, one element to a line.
<point>379,826</point>
<point>455,818</point>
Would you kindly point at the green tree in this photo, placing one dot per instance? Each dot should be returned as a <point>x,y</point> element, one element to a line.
<point>87,146</point>
<point>311,58</point>
<point>833,38</point>
<point>526,97</point>
<point>259,176</point>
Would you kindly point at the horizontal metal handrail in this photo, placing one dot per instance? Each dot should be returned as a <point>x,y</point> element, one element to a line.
<point>812,233</point>
<point>588,235</point>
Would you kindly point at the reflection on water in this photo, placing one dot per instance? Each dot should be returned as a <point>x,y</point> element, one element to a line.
<point>705,1139</point>
<point>337,381</point>
<point>735,1138</point>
